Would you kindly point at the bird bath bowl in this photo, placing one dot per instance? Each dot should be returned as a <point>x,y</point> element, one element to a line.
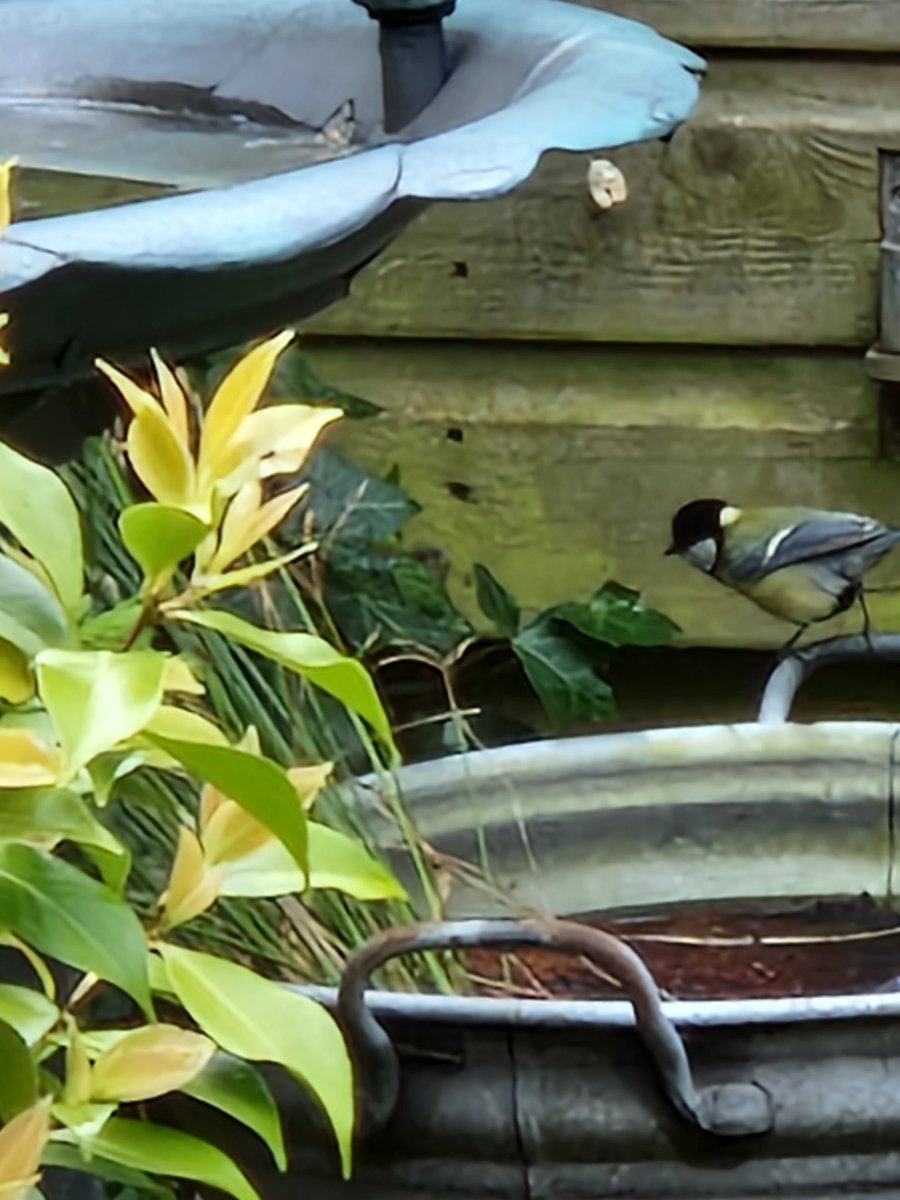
<point>751,868</point>
<point>207,126</point>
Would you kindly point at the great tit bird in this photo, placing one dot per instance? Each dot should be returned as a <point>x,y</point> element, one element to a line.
<point>800,564</point>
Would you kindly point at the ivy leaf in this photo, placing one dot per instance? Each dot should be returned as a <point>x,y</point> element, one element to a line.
<point>561,667</point>
<point>263,1021</point>
<point>294,376</point>
<point>65,914</point>
<point>496,603</point>
<point>617,615</point>
<point>234,1087</point>
<point>18,1079</point>
<point>309,656</point>
<point>381,600</point>
<point>350,509</point>
<point>142,1146</point>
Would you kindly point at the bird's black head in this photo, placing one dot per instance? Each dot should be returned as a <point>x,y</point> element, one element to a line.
<point>697,522</point>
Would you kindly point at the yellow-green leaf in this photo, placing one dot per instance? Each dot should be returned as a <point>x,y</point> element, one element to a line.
<point>178,677</point>
<point>336,862</point>
<point>143,1146</point>
<point>18,1079</point>
<point>48,816</point>
<point>25,761</point>
<point>38,510</point>
<point>263,1021</point>
<point>160,537</point>
<point>97,698</point>
<point>258,785</point>
<point>31,617</point>
<point>22,1143</point>
<point>16,679</point>
<point>312,657</point>
<point>182,725</point>
<point>149,1062</point>
<point>173,398</point>
<point>236,397</point>
<point>252,573</point>
<point>248,520</point>
<point>236,1088</point>
<point>84,1120</point>
<point>65,914</point>
<point>28,1011</point>
<point>160,459</point>
<point>192,886</point>
<point>77,1090</point>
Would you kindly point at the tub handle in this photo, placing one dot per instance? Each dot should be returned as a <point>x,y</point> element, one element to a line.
<point>729,1110</point>
<point>787,678</point>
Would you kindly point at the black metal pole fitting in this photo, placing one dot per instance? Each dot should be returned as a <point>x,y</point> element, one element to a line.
<point>414,62</point>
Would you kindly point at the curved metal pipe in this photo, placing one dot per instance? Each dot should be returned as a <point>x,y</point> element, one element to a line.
<point>787,678</point>
<point>729,1110</point>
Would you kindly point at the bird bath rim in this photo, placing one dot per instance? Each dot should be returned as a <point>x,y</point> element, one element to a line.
<point>197,271</point>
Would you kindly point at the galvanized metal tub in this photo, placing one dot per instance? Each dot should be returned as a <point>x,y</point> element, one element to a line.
<point>567,1098</point>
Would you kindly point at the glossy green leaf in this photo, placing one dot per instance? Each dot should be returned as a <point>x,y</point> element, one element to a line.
<point>65,914</point>
<point>85,1121</point>
<point>496,603</point>
<point>141,1146</point>
<point>309,656</point>
<point>561,667</point>
<point>109,630</point>
<point>31,617</point>
<point>36,507</point>
<point>97,698</point>
<point>106,770</point>
<point>18,1077</point>
<point>617,615</point>
<point>160,537</point>
<point>47,816</point>
<point>260,1020</point>
<point>28,1011</point>
<point>234,1087</point>
<point>260,786</point>
<point>342,863</point>
<point>60,1154</point>
<point>336,862</point>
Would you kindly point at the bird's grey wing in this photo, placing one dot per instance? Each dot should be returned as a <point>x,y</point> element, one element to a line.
<point>822,535</point>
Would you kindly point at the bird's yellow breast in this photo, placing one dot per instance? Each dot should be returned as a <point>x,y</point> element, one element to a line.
<point>792,594</point>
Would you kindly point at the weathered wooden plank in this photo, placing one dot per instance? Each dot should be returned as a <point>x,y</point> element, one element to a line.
<point>868,25</point>
<point>561,466</point>
<point>757,224</point>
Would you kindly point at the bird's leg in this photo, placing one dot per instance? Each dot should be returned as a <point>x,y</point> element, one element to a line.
<point>791,642</point>
<point>867,622</point>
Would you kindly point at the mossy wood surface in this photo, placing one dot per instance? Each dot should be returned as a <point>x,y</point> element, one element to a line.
<point>559,467</point>
<point>870,25</point>
<point>757,224</point>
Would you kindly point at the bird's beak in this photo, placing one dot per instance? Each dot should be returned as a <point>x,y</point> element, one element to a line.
<point>671,550</point>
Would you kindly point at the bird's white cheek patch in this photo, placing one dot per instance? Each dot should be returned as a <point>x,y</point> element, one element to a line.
<point>702,555</point>
<point>729,515</point>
